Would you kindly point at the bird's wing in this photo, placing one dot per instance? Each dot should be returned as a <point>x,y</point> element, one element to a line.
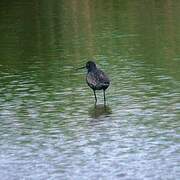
<point>102,77</point>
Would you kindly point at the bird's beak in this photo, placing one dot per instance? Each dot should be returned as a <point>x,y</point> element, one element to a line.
<point>81,68</point>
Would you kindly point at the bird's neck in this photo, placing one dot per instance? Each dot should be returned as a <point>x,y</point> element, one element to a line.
<point>92,69</point>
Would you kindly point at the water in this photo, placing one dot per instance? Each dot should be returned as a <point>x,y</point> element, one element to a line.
<point>49,127</point>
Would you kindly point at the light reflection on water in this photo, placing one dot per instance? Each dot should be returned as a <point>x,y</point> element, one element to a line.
<point>49,126</point>
<point>48,133</point>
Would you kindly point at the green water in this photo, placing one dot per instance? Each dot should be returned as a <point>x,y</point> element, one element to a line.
<point>49,127</point>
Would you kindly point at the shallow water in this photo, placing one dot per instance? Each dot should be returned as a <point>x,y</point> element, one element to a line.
<point>49,126</point>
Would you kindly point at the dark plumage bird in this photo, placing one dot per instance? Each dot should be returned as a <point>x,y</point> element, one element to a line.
<point>96,79</point>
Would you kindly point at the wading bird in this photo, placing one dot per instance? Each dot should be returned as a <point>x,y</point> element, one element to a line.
<point>96,79</point>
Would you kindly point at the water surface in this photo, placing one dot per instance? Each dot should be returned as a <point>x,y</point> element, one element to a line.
<point>49,127</point>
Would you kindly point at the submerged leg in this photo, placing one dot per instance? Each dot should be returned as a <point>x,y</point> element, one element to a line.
<point>104,98</point>
<point>95,96</point>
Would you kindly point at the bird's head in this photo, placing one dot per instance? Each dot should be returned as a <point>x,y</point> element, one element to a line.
<point>90,65</point>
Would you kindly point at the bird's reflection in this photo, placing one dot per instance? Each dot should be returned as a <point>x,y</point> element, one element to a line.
<point>99,110</point>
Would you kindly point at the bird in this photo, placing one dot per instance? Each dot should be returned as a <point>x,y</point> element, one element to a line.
<point>96,79</point>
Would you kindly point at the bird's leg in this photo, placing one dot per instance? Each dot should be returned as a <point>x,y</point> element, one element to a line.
<point>95,96</point>
<point>104,98</point>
